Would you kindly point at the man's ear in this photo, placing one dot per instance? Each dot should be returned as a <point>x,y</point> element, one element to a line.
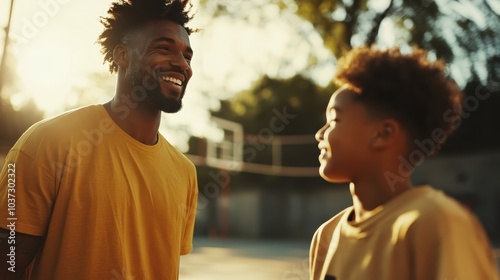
<point>386,133</point>
<point>121,56</point>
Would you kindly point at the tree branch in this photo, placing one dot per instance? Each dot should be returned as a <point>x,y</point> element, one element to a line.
<point>372,36</point>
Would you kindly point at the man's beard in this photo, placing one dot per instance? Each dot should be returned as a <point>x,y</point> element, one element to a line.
<point>141,81</point>
<point>163,103</point>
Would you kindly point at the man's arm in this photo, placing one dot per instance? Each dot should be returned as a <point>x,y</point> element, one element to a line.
<point>21,252</point>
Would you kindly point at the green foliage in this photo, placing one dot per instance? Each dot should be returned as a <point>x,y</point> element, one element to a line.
<point>257,110</point>
<point>336,29</point>
<point>465,35</point>
<point>453,30</point>
<point>255,107</point>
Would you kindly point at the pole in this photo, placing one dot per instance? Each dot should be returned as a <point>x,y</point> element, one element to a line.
<point>4,54</point>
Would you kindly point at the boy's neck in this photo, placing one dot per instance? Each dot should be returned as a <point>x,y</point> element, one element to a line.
<point>367,195</point>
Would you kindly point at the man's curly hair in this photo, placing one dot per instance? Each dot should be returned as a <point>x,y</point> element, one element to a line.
<point>125,16</point>
<point>407,87</point>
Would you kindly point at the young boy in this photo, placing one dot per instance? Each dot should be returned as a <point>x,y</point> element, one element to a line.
<point>387,103</point>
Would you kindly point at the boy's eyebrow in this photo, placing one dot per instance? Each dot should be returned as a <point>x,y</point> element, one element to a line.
<point>333,110</point>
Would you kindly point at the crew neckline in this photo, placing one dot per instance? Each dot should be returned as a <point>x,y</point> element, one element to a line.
<point>131,140</point>
<point>360,229</point>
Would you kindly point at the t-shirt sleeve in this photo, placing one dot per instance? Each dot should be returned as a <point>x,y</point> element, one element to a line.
<point>451,245</point>
<point>30,189</point>
<point>190,215</point>
<point>325,237</point>
<point>313,252</point>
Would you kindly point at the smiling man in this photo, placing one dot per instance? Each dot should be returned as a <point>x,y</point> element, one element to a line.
<point>97,192</point>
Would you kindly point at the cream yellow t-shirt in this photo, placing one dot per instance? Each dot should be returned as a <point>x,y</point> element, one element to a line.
<point>109,206</point>
<point>420,235</point>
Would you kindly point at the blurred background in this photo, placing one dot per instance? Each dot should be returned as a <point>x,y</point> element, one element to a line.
<point>262,78</point>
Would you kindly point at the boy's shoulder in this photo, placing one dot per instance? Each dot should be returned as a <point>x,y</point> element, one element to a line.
<point>420,207</point>
<point>432,204</point>
<point>427,211</point>
<point>328,227</point>
<point>324,236</point>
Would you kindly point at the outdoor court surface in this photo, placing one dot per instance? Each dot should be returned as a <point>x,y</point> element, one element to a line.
<point>229,259</point>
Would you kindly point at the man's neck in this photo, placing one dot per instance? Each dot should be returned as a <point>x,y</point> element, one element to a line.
<point>138,120</point>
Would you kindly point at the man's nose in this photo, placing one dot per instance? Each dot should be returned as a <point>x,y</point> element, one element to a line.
<point>180,62</point>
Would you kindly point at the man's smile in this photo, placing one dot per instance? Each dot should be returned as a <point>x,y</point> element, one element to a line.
<point>172,80</point>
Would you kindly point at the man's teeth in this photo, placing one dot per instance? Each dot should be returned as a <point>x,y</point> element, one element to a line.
<point>172,80</point>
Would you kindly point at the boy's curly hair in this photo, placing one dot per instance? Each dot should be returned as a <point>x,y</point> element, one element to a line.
<point>406,87</point>
<point>125,16</point>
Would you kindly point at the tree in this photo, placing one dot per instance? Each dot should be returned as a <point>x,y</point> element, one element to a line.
<point>298,96</point>
<point>278,107</point>
<point>458,31</point>
<point>463,33</point>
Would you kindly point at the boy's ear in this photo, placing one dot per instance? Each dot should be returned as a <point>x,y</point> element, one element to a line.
<point>120,55</point>
<point>386,133</point>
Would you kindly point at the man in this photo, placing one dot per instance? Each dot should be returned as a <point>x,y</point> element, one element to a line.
<point>388,104</point>
<point>99,193</point>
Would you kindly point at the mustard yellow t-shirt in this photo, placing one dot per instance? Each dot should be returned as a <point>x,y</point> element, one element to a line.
<point>109,206</point>
<point>421,235</point>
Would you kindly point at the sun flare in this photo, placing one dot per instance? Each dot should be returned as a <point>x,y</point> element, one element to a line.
<point>44,69</point>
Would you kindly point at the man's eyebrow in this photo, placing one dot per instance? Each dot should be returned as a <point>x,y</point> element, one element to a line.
<point>171,41</point>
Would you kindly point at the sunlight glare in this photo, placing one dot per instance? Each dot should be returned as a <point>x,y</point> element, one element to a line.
<point>44,70</point>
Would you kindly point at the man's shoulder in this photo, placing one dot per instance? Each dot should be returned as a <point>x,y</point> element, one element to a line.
<point>176,153</point>
<point>69,118</point>
<point>59,127</point>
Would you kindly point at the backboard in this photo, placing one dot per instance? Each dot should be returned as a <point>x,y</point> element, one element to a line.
<point>227,154</point>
